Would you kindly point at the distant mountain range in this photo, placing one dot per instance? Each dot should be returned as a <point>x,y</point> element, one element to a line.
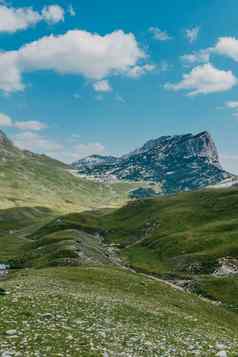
<point>178,163</point>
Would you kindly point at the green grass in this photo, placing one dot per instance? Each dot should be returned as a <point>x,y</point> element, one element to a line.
<point>16,224</point>
<point>223,289</point>
<point>188,232</point>
<point>28,179</point>
<point>104,311</point>
<point>180,237</point>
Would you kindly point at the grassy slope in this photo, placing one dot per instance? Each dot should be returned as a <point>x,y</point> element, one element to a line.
<point>28,179</point>
<point>181,236</point>
<point>93,312</point>
<point>29,182</point>
<point>185,232</point>
<point>16,224</point>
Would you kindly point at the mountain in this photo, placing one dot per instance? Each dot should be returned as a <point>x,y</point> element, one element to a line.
<point>95,160</point>
<point>28,179</point>
<point>179,163</point>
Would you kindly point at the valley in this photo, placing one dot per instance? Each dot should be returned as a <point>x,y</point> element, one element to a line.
<point>97,271</point>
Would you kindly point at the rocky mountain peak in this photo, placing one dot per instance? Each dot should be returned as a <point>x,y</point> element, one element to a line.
<point>179,163</point>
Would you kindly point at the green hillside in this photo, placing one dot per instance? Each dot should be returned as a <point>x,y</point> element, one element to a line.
<point>98,312</point>
<point>179,238</point>
<point>29,180</point>
<point>185,233</point>
<point>99,290</point>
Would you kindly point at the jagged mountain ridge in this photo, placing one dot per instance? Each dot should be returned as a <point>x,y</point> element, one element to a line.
<point>179,163</point>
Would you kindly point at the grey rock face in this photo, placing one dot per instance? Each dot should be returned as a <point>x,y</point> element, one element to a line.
<point>179,163</point>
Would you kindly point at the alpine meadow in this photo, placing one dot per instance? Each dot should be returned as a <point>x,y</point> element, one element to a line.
<point>118,178</point>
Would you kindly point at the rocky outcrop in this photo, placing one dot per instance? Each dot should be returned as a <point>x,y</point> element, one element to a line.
<point>178,163</point>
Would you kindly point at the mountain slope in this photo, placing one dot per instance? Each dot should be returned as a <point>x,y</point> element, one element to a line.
<point>98,311</point>
<point>189,238</point>
<point>179,163</point>
<point>28,179</point>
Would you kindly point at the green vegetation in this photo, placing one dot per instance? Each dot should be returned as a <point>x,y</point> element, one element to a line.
<point>28,179</point>
<point>182,238</point>
<point>185,233</point>
<point>105,312</point>
<point>31,181</point>
<point>223,289</point>
<point>16,224</point>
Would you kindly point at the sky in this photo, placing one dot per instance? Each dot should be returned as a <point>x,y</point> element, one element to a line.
<point>101,77</point>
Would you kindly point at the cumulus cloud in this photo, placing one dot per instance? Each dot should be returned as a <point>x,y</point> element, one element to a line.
<point>76,52</point>
<point>53,14</point>
<point>33,125</point>
<point>102,86</point>
<point>192,34</point>
<point>227,46</point>
<point>205,79</point>
<point>15,19</point>
<point>159,35</point>
<point>67,150</point>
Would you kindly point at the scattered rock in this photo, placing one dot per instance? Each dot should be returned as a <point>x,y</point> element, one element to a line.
<point>221,354</point>
<point>11,332</point>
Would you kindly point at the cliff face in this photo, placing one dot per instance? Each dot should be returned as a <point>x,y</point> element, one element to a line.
<point>179,163</point>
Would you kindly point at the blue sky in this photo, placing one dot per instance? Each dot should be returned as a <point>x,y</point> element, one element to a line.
<point>91,77</point>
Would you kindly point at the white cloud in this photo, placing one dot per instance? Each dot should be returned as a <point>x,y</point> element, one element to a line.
<point>71,10</point>
<point>12,20</point>
<point>10,78</point>
<point>32,125</point>
<point>232,104</point>
<point>76,52</point>
<point>205,79</point>
<point>35,142</point>
<point>102,86</point>
<point>53,14</point>
<point>159,35</point>
<point>82,150</point>
<point>227,46</point>
<point>202,56</point>
<point>192,34</point>
<point>138,71</point>
<point>15,19</point>
<point>29,125</point>
<point>5,120</point>
<point>67,150</point>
